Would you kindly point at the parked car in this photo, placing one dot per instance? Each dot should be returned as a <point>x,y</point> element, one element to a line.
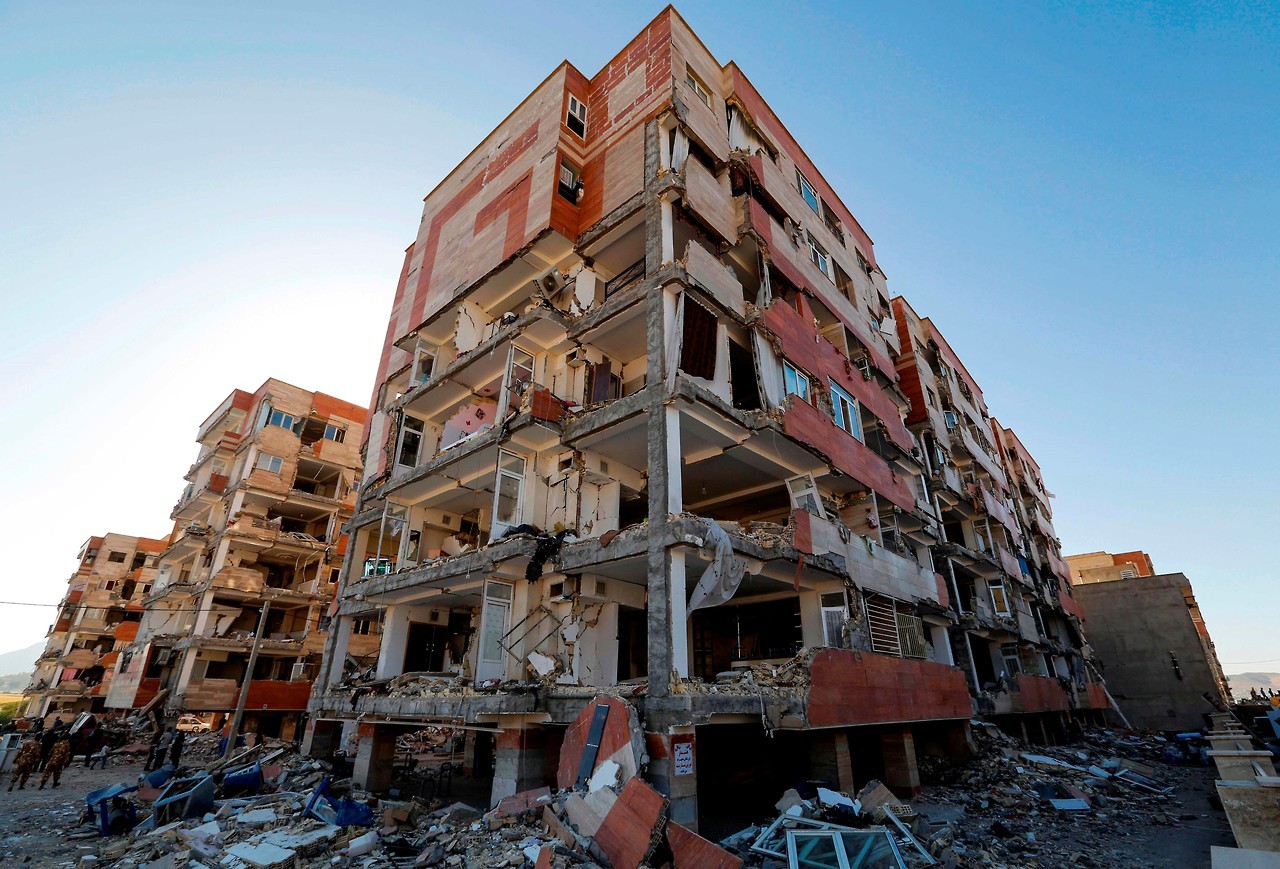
<point>192,724</point>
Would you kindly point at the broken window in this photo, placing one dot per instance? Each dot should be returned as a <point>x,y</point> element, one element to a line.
<point>698,348</point>
<point>844,409</point>
<point>508,491</point>
<point>806,190</point>
<point>411,437</point>
<point>842,849</point>
<point>269,463</point>
<point>795,382</point>
<point>696,86</point>
<point>576,117</point>
<point>833,223</point>
<point>115,557</point>
<point>521,372</point>
<point>1010,659</point>
<point>570,185</point>
<point>834,613</point>
<point>423,364</point>
<point>820,257</point>
<point>743,383</point>
<point>804,494</point>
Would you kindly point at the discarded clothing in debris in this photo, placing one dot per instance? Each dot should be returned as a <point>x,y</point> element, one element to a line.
<point>721,580</point>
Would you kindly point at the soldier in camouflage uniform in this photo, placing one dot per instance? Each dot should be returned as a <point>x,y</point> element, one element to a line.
<point>58,760</point>
<point>25,763</point>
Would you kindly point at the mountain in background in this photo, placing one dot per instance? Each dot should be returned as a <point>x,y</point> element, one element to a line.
<point>21,660</point>
<point>1242,682</point>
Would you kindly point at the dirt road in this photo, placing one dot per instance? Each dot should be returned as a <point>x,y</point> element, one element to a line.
<point>34,823</point>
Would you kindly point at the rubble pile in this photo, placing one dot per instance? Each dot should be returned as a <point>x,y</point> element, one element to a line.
<point>1054,806</point>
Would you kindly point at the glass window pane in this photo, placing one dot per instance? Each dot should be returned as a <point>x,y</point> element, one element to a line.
<point>494,627</point>
<point>814,850</point>
<point>508,511</point>
<point>511,462</point>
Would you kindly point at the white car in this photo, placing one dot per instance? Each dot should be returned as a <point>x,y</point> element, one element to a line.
<point>192,724</point>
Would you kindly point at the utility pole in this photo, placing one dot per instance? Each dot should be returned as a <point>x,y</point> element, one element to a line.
<point>248,680</point>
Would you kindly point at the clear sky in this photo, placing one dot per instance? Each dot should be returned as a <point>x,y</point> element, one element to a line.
<point>1085,198</point>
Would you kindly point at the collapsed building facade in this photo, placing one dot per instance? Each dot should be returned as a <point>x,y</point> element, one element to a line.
<point>257,541</point>
<point>97,618</point>
<point>641,428</point>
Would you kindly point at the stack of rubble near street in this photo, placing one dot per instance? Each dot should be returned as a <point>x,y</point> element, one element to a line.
<point>267,807</point>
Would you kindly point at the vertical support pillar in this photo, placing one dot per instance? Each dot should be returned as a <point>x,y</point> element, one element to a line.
<point>375,755</point>
<point>321,738</point>
<point>830,760</point>
<point>901,774</point>
<point>679,618</point>
<point>673,771</point>
<point>519,761</point>
<point>959,742</point>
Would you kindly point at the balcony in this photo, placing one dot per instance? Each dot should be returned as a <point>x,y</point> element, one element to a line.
<point>79,659</point>
<point>1092,695</point>
<point>847,688</point>
<point>1030,694</point>
<point>220,695</point>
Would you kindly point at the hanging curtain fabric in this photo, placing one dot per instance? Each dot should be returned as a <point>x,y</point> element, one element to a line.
<point>769,370</point>
<point>698,343</point>
<point>721,580</point>
<point>679,150</point>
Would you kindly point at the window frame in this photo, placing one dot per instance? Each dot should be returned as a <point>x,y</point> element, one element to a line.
<point>421,433</point>
<point>568,192</point>
<point>851,410</point>
<point>808,192</point>
<point>800,376</point>
<point>819,256</point>
<point>807,498</point>
<point>339,433</point>
<point>699,89</point>
<point>276,412</point>
<point>579,116</point>
<point>273,464</point>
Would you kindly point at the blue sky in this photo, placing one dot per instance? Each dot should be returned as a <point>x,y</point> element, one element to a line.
<point>1083,196</point>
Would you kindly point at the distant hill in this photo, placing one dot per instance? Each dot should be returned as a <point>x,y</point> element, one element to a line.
<point>21,660</point>
<point>13,684</point>
<point>1242,682</point>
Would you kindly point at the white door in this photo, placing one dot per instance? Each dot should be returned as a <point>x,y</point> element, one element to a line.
<point>495,621</point>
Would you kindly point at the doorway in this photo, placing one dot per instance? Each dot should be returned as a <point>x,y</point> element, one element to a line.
<point>633,643</point>
<point>424,649</point>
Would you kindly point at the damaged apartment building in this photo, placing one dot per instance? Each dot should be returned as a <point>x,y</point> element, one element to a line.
<point>257,542</point>
<point>643,426</point>
<point>98,617</point>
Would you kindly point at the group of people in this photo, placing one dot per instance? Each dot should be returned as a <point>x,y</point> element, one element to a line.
<point>164,742</point>
<point>47,752</point>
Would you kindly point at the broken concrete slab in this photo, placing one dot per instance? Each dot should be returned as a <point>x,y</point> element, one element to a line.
<point>1243,858</point>
<point>632,830</point>
<point>621,741</point>
<point>691,851</point>
<point>262,855</point>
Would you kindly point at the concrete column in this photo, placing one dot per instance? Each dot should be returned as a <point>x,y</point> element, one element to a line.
<point>671,774</point>
<point>942,644</point>
<point>679,619</point>
<point>900,772</point>
<point>520,759</point>
<point>958,742</point>
<point>321,738</point>
<point>339,642</point>
<point>395,636</point>
<point>811,633</point>
<point>830,760</point>
<point>375,754</point>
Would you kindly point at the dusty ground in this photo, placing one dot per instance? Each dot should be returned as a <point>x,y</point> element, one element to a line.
<point>34,823</point>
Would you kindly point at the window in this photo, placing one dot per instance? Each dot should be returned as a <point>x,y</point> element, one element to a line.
<point>844,409</point>
<point>810,195</point>
<point>334,573</point>
<point>269,463</point>
<point>804,494</point>
<point>795,381</point>
<point>833,222</point>
<point>833,618</point>
<point>410,442</point>
<point>576,118</point>
<point>90,556</point>
<point>570,186</point>
<point>999,597</point>
<point>1127,574</point>
<point>109,584</point>
<point>894,628</point>
<point>698,345</point>
<point>335,433</point>
<point>361,627</point>
<point>509,489</point>
<point>423,363</point>
<point>282,419</point>
<point>1010,658</point>
<point>820,257</point>
<point>521,370</point>
<point>696,86</point>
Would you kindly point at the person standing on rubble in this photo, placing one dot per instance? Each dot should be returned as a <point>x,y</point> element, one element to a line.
<point>58,760</point>
<point>25,763</point>
<point>175,750</point>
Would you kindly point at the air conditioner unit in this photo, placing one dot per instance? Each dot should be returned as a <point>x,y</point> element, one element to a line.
<point>554,281</point>
<point>593,589</point>
<point>576,357</point>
